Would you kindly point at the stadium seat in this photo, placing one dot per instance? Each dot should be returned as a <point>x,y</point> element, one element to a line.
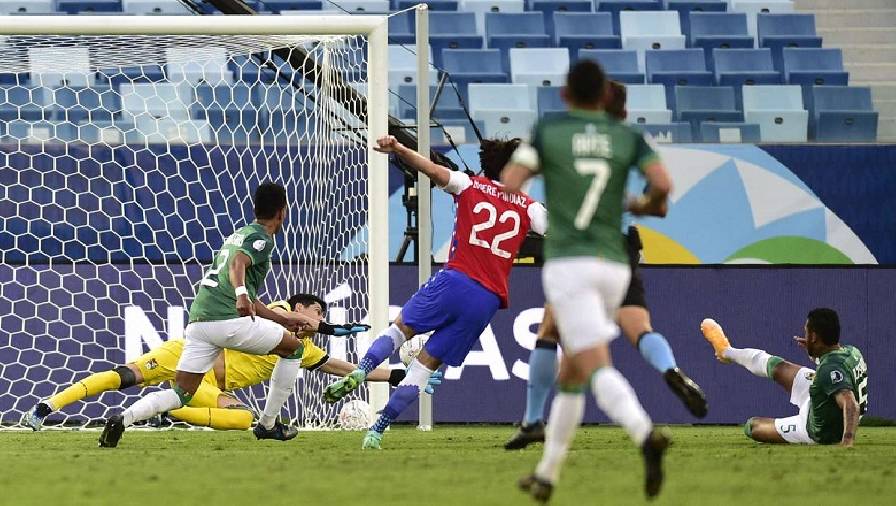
<point>696,104</point>
<point>73,104</point>
<point>129,75</point>
<point>646,104</point>
<point>17,79</point>
<point>744,67</point>
<point>779,112</point>
<point>506,110</point>
<point>777,31</point>
<point>150,130</point>
<point>584,30</point>
<point>193,65</point>
<point>278,6</point>
<point>515,30</point>
<point>551,7</point>
<point>452,30</point>
<point>844,114</point>
<point>403,67</point>
<point>155,99</point>
<point>677,67</point>
<point>358,6</point>
<point>230,112</point>
<point>460,130</point>
<point>650,30</point>
<point>39,131</point>
<point>402,28</point>
<point>56,66</point>
<point>619,64</point>
<point>677,132</point>
<point>108,132</point>
<point>155,7</point>
<point>550,101</point>
<point>448,107</point>
<point>26,7</point>
<point>725,30</point>
<point>614,7</point>
<point>466,66</point>
<point>685,7</point>
<point>810,67</point>
<point>433,5</point>
<point>480,7</point>
<point>77,6</point>
<point>714,131</point>
<point>754,7</point>
<point>539,66</point>
<point>21,102</point>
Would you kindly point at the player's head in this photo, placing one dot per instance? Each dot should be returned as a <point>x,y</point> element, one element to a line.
<point>615,100</point>
<point>494,155</point>
<point>585,85</point>
<point>309,302</point>
<point>270,203</point>
<point>822,330</point>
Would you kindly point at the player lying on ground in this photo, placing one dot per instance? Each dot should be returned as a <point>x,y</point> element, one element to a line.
<point>634,319</point>
<point>831,399</point>
<point>459,301</point>
<point>585,157</point>
<point>213,405</point>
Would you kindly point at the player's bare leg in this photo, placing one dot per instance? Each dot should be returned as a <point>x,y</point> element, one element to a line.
<point>763,430</point>
<point>381,349</point>
<point>542,374</point>
<point>635,324</point>
<point>283,382</point>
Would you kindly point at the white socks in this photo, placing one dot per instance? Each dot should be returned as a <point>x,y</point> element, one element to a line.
<point>616,398</point>
<point>755,361</point>
<point>417,375</point>
<point>283,382</point>
<point>397,336</point>
<point>151,404</point>
<point>566,415</point>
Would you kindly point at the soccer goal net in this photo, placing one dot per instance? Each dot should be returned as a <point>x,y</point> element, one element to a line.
<point>130,149</point>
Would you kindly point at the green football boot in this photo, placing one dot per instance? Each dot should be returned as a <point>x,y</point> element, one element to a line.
<point>339,389</point>
<point>372,441</point>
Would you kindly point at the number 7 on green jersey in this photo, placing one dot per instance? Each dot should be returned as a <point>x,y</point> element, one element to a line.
<point>600,169</point>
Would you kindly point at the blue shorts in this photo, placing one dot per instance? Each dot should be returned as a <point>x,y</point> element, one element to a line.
<point>454,306</point>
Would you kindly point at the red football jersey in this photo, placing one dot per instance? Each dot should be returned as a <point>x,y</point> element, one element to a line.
<point>490,227</point>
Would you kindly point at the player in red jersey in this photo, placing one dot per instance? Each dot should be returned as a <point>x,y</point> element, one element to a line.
<point>458,302</point>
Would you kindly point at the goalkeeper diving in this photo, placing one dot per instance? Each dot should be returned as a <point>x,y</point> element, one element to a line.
<point>214,404</point>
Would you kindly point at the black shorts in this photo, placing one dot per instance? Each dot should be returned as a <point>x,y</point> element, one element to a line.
<point>635,294</point>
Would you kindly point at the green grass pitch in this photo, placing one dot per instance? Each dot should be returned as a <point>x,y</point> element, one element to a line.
<point>449,466</point>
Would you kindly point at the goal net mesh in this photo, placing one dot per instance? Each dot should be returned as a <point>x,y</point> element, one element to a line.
<point>125,162</point>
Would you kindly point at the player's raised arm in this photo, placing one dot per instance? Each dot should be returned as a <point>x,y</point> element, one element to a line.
<point>237,272</point>
<point>439,174</point>
<point>522,166</point>
<point>847,402</point>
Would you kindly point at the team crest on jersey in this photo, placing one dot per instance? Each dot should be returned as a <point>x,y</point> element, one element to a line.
<point>836,376</point>
<point>259,244</point>
<point>810,376</point>
<point>152,364</point>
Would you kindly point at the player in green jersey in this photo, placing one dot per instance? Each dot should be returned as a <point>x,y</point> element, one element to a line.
<point>831,399</point>
<point>585,157</point>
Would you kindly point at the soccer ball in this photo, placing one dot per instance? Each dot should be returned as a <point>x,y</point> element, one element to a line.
<point>411,348</point>
<point>355,415</point>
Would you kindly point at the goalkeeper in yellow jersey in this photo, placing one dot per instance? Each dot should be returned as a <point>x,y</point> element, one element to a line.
<point>213,405</point>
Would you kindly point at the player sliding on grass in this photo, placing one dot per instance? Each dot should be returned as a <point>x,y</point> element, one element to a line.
<point>458,302</point>
<point>634,318</point>
<point>585,157</point>
<point>831,399</point>
<point>226,314</point>
<point>213,405</point>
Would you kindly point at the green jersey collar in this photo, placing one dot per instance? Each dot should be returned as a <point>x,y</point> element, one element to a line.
<point>585,114</point>
<point>261,228</point>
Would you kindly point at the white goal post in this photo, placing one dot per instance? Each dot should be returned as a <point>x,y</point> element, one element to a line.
<point>45,164</point>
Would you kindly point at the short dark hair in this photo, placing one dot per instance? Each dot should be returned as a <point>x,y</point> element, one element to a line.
<point>270,198</point>
<point>306,299</point>
<point>494,155</point>
<point>585,83</point>
<point>616,101</point>
<point>824,323</point>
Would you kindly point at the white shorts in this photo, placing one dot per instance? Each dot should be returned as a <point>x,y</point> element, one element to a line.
<point>793,428</point>
<point>584,293</point>
<point>205,340</point>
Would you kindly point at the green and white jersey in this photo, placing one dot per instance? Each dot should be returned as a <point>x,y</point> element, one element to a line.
<point>585,157</point>
<point>837,370</point>
<point>215,297</point>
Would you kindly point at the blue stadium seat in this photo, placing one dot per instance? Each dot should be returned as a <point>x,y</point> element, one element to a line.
<point>153,130</point>
<point>73,104</point>
<point>549,100</point>
<point>158,100</point>
<point>677,67</point>
<point>434,5</point>
<point>744,67</point>
<point>481,7</point>
<point>752,8</point>
<point>619,64</point>
<point>777,31</point>
<point>650,30</point>
<point>127,75</point>
<point>779,112</point>
<point>194,65</point>
<point>40,131</point>
<point>506,110</point>
<point>460,130</point>
<point>716,131</point>
<point>14,79</point>
<point>21,102</point>
<point>696,104</point>
<point>515,30</point>
<point>584,30</point>
<point>448,108</point>
<point>358,6</point>
<point>452,30</point>
<point>402,28</point>
<point>725,30</point>
<point>810,67</point>
<point>466,66</point>
<point>551,7</point>
<point>155,7</point>
<point>685,7</point>
<point>232,126</point>
<point>539,66</point>
<point>646,104</point>
<point>277,6</point>
<point>249,70</point>
<point>403,67</point>
<point>677,132</point>
<point>109,132</point>
<point>26,7</point>
<point>614,7</point>
<point>76,6</point>
<point>844,114</point>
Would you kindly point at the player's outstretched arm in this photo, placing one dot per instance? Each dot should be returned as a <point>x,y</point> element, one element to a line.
<point>237,273</point>
<point>847,402</point>
<point>439,174</point>
<point>656,201</point>
<point>522,165</point>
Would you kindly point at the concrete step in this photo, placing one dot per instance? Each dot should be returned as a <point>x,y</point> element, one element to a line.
<point>886,129</point>
<point>880,18</point>
<point>869,53</point>
<point>871,71</point>
<point>886,108</point>
<point>820,5</point>
<point>833,37</point>
<point>879,90</point>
